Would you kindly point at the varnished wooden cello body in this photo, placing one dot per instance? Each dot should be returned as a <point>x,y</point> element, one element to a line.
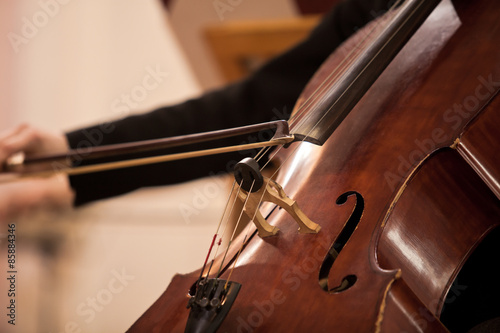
<point>405,189</point>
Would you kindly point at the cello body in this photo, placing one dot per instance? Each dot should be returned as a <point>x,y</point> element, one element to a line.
<point>412,172</point>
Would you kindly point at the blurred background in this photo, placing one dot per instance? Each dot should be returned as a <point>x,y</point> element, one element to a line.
<point>68,63</point>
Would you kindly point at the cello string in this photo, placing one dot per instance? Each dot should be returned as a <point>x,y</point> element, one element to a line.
<point>225,208</point>
<point>366,67</point>
<point>333,76</point>
<point>303,140</point>
<point>236,227</point>
<point>261,153</point>
<point>225,224</point>
<point>206,259</point>
<point>342,66</point>
<point>217,232</point>
<point>239,220</point>
<point>345,63</point>
<point>234,263</point>
<point>333,104</point>
<point>247,231</point>
<point>331,79</point>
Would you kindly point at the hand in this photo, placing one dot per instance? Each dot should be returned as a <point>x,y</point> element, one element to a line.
<point>30,141</point>
<point>28,196</point>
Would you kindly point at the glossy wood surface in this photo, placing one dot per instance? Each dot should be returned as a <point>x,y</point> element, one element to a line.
<point>479,145</point>
<point>425,208</point>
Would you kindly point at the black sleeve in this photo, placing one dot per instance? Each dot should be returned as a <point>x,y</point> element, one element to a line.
<point>268,94</point>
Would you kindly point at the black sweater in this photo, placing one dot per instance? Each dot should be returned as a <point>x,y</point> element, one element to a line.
<point>268,94</point>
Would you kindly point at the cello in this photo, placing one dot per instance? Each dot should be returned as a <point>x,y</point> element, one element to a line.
<point>404,189</point>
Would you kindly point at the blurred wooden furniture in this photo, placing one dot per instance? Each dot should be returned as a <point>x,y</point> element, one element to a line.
<point>241,47</point>
<point>304,6</point>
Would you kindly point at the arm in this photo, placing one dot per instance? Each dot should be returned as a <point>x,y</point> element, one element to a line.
<point>268,94</point>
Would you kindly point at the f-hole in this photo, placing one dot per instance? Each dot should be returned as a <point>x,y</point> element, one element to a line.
<point>339,243</point>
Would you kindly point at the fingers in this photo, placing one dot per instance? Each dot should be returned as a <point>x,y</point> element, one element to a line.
<point>30,141</point>
<point>6,148</point>
<point>21,138</point>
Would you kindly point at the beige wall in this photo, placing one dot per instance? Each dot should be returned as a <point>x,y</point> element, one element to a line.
<point>6,61</point>
<point>89,53</point>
